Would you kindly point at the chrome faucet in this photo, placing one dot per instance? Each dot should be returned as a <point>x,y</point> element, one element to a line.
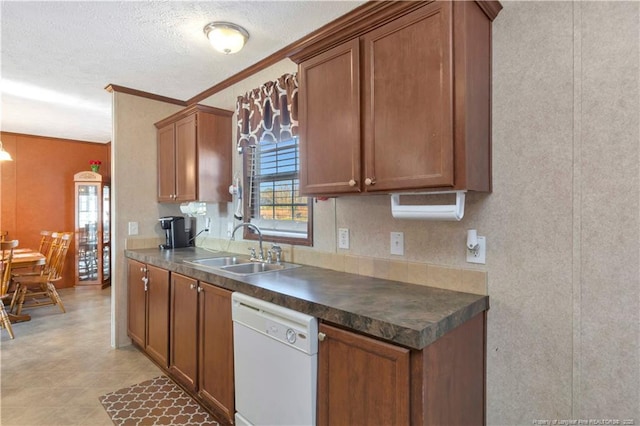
<point>278,252</point>
<point>260,255</point>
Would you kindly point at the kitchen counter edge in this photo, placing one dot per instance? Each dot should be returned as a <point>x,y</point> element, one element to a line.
<point>306,289</point>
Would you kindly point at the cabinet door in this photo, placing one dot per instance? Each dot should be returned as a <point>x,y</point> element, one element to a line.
<point>215,365</point>
<point>186,167</point>
<point>166,163</point>
<point>361,381</point>
<point>184,330</point>
<point>407,98</point>
<point>330,121</point>
<point>214,157</point>
<point>158,314</point>
<point>136,303</point>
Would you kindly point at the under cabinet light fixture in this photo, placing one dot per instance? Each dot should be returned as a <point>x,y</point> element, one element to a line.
<point>226,37</point>
<point>4,155</point>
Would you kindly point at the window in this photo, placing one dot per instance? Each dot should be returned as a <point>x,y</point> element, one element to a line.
<point>273,200</point>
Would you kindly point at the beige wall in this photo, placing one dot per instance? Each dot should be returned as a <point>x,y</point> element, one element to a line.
<point>134,190</point>
<point>562,223</point>
<point>563,219</point>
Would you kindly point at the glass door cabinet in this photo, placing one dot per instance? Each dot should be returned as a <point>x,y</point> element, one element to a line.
<point>93,254</point>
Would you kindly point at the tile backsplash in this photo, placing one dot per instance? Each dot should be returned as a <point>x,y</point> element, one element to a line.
<point>456,279</point>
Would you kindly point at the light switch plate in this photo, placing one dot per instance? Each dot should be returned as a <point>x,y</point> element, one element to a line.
<point>343,238</point>
<point>133,228</point>
<point>397,243</point>
<point>481,255</point>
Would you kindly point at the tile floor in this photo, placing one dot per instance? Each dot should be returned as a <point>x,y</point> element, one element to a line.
<point>59,364</point>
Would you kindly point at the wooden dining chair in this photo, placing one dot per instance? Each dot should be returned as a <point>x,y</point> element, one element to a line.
<point>48,245</point>
<point>45,241</point>
<point>39,290</point>
<point>6,248</point>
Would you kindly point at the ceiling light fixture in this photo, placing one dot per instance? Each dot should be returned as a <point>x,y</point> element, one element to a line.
<point>4,155</point>
<point>226,37</point>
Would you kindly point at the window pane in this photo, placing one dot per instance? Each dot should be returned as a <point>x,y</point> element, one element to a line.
<point>276,200</point>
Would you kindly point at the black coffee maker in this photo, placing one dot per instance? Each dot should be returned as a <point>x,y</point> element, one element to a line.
<point>176,235</point>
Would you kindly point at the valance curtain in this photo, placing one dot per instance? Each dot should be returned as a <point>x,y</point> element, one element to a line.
<point>268,113</point>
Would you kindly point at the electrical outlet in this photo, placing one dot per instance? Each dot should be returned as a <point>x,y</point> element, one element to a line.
<point>133,228</point>
<point>478,256</point>
<point>343,238</point>
<point>397,243</point>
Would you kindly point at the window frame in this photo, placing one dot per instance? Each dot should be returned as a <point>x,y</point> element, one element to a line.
<point>250,234</point>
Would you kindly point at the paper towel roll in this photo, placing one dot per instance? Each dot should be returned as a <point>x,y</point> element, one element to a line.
<point>428,212</point>
<point>193,209</point>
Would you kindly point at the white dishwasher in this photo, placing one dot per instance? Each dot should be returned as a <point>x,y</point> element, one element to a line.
<point>275,363</point>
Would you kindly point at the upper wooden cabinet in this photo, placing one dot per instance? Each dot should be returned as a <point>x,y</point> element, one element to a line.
<point>405,105</point>
<point>194,155</point>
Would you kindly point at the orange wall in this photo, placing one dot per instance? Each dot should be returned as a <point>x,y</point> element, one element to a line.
<point>37,189</point>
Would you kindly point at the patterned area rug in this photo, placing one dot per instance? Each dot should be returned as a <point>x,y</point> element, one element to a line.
<point>157,401</point>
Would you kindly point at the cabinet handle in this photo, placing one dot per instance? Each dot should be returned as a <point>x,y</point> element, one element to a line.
<point>352,182</point>
<point>192,286</point>
<point>145,280</point>
<point>369,181</point>
<point>322,336</point>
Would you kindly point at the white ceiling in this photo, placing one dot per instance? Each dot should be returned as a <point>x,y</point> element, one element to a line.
<point>57,56</point>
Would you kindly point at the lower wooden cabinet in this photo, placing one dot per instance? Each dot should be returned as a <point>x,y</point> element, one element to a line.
<point>137,302</point>
<point>183,354</point>
<point>364,381</point>
<point>148,309</point>
<point>215,353</point>
<point>185,326</point>
<point>157,344</point>
<point>201,342</point>
<point>361,381</point>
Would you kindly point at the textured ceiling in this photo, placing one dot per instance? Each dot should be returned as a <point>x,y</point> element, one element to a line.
<point>57,56</point>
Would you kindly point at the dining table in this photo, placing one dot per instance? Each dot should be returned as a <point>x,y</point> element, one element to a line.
<point>22,258</point>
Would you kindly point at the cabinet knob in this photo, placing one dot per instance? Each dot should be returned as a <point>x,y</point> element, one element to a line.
<point>200,289</point>
<point>369,181</point>
<point>352,182</point>
<point>192,286</point>
<point>322,336</point>
<point>143,269</point>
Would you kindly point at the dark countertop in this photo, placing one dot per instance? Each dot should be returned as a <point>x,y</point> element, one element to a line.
<point>407,314</point>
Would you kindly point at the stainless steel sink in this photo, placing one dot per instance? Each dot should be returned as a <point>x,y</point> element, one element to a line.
<point>257,268</point>
<point>240,265</point>
<point>216,262</point>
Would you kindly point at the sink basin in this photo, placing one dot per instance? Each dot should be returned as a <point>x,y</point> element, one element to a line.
<point>256,268</point>
<point>216,262</point>
<point>240,265</point>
